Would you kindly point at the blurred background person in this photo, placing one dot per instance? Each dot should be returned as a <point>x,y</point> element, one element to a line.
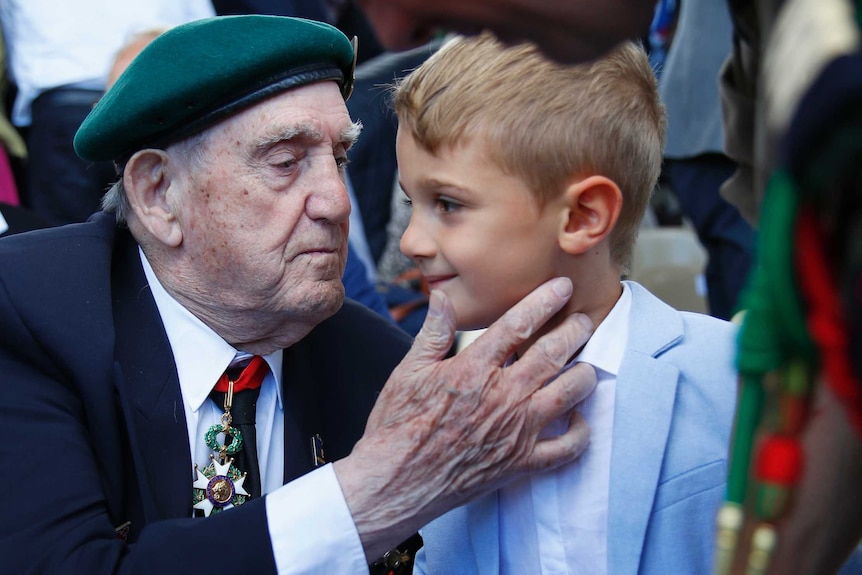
<point>694,163</point>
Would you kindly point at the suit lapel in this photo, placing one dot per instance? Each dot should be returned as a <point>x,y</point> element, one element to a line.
<point>300,411</point>
<point>645,395</point>
<point>148,385</point>
<point>149,390</point>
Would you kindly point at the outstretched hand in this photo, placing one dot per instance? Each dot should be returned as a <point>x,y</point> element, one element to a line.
<point>445,431</point>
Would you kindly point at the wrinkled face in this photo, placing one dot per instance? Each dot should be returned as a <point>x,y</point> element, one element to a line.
<point>476,233</point>
<point>265,217</point>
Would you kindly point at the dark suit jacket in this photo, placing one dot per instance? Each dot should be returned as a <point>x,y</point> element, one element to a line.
<point>93,431</point>
<point>20,219</point>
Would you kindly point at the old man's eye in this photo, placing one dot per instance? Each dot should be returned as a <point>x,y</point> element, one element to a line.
<point>284,161</point>
<point>342,162</point>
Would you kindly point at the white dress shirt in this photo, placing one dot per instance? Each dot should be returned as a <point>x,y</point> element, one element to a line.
<point>556,522</point>
<point>311,529</point>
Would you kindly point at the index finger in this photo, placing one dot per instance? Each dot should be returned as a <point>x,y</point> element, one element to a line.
<point>551,352</point>
<point>517,325</point>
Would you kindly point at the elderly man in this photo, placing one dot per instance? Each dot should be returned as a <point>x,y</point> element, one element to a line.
<point>222,247</point>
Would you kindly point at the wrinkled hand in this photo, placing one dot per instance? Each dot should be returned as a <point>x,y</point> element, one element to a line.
<point>445,431</point>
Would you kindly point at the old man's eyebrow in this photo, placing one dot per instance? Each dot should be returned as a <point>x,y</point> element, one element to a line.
<point>309,133</point>
<point>350,134</point>
<point>278,134</point>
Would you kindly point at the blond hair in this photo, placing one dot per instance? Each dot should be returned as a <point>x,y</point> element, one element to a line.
<point>545,122</point>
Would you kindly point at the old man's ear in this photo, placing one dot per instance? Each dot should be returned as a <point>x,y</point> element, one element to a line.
<point>147,182</point>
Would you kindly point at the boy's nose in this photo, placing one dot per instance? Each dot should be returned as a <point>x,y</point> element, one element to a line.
<point>415,243</point>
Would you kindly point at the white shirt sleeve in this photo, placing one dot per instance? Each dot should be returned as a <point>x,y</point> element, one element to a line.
<point>311,529</point>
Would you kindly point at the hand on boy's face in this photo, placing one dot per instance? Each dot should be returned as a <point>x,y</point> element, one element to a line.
<point>444,431</point>
<point>478,393</point>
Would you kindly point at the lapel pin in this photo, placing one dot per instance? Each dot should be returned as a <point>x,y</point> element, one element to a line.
<point>122,532</point>
<point>317,457</point>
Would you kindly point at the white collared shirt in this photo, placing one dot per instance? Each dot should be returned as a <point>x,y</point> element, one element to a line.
<point>557,522</point>
<point>201,357</point>
<point>308,518</point>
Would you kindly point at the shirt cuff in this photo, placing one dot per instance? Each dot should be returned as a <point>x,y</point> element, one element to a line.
<point>311,529</point>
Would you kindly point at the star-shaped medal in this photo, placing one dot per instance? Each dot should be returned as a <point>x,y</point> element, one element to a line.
<point>218,487</point>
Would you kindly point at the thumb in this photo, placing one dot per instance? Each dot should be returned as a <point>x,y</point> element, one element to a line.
<point>435,339</point>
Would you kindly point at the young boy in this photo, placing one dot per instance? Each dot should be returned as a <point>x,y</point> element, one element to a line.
<point>519,170</point>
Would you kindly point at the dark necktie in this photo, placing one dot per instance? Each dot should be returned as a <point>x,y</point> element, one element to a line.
<point>247,379</point>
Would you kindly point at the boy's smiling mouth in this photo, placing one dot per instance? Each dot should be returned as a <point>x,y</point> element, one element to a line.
<point>436,281</point>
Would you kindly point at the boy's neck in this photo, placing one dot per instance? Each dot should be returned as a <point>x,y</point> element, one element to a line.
<point>594,295</point>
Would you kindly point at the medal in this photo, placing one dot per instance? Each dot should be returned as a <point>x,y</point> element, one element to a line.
<point>220,485</point>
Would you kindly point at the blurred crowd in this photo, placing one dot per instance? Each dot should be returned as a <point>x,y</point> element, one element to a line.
<point>55,70</point>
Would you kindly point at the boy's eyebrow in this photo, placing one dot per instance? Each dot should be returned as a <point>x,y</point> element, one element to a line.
<point>432,183</point>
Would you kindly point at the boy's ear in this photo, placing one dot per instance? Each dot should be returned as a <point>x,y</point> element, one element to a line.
<point>593,206</point>
<point>147,182</point>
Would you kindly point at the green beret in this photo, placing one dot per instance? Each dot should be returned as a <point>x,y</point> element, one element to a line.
<point>197,74</point>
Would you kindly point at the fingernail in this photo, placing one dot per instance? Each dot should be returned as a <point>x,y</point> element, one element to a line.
<point>435,304</point>
<point>562,287</point>
<point>585,321</point>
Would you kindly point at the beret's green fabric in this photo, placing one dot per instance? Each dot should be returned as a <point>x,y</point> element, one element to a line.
<point>197,74</point>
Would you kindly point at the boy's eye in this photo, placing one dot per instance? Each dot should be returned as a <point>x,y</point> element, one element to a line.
<point>446,205</point>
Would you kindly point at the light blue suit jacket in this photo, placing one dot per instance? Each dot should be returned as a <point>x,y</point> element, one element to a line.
<point>673,414</point>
